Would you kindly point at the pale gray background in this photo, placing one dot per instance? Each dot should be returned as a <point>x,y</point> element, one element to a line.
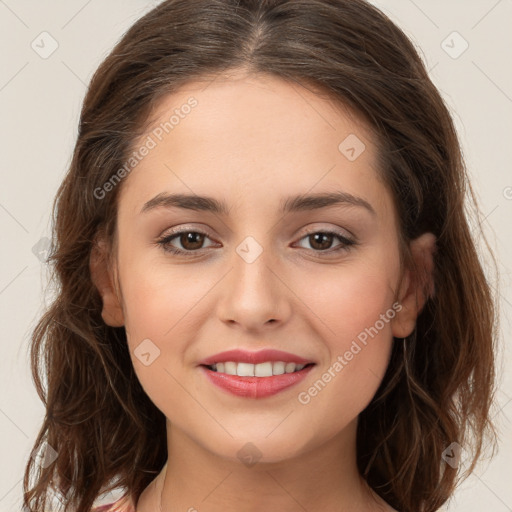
<point>40,101</point>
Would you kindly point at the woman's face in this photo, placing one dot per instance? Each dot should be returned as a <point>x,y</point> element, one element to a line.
<point>315,278</point>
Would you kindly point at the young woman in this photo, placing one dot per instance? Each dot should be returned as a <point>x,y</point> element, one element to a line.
<point>269,296</point>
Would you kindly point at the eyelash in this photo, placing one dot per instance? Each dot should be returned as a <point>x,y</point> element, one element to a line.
<point>164,242</point>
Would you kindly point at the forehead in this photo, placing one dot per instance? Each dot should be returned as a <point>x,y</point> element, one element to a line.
<point>240,136</point>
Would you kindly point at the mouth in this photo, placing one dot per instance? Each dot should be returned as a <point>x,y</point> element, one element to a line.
<point>262,380</point>
<point>249,374</point>
<point>261,370</point>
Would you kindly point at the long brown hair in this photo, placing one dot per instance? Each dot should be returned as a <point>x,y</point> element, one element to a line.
<point>439,385</point>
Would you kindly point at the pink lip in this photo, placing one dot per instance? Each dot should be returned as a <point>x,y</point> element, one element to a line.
<point>255,387</point>
<point>262,356</point>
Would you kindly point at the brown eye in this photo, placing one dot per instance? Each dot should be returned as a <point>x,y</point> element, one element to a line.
<point>321,241</point>
<point>188,242</point>
<point>191,240</point>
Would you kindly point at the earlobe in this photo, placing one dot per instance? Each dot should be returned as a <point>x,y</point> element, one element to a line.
<point>101,274</point>
<point>417,286</point>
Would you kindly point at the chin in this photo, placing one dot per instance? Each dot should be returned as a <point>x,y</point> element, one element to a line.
<point>250,450</point>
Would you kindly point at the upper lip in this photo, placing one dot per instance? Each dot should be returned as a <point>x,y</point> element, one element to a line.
<point>262,356</point>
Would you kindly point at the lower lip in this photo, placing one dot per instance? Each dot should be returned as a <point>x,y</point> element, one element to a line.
<point>255,387</point>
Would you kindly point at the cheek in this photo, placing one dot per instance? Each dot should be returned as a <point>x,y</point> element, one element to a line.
<point>159,317</point>
<point>159,301</point>
<point>355,306</point>
<point>158,306</point>
<point>350,299</point>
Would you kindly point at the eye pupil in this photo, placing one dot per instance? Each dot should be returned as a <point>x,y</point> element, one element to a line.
<point>196,239</point>
<point>317,238</point>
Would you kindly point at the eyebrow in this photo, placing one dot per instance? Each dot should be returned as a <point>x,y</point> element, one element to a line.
<point>301,202</point>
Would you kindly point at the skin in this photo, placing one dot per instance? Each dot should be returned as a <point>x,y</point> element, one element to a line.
<point>251,141</point>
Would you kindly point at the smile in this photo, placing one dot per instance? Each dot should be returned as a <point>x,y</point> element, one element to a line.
<point>255,380</point>
<point>266,369</point>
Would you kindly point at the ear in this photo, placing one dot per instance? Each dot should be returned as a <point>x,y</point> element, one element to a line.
<point>417,286</point>
<point>103,278</point>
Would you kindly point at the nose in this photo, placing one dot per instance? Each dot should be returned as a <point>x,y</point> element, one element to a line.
<point>255,294</point>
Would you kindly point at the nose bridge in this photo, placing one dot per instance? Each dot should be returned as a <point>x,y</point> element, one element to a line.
<point>254,294</point>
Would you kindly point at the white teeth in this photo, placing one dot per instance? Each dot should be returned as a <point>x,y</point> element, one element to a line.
<point>278,368</point>
<point>245,370</point>
<point>230,368</point>
<point>266,369</point>
<point>263,369</point>
<point>289,368</point>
